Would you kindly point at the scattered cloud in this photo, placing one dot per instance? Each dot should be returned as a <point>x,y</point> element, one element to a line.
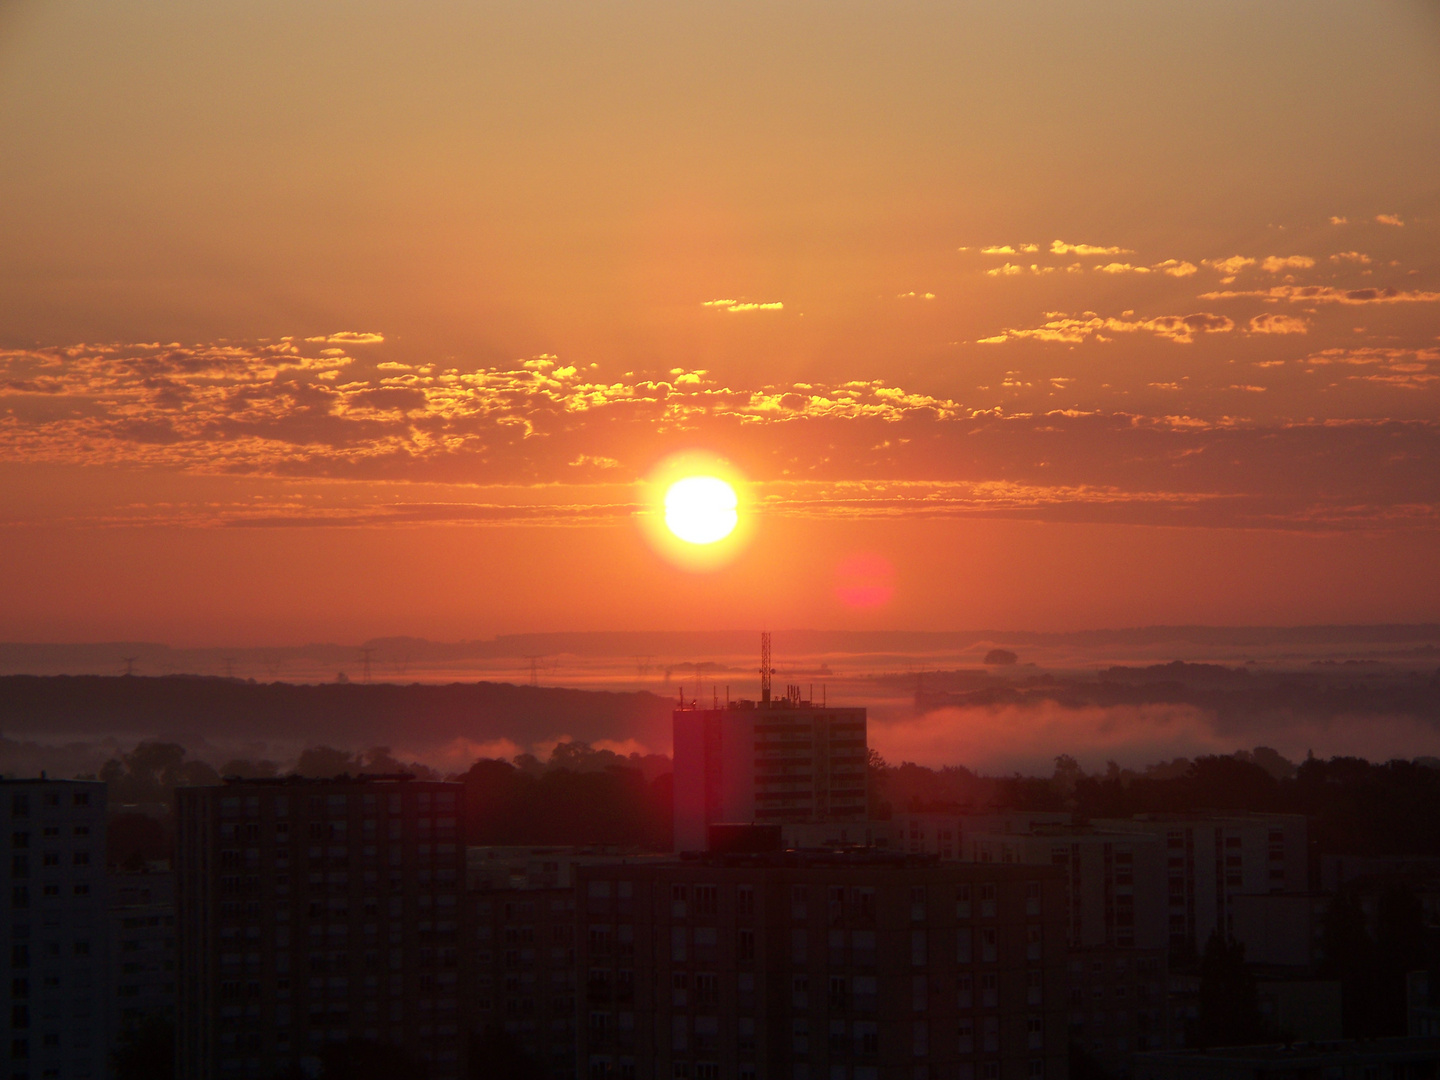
<point>1007,270</point>
<point>1060,247</point>
<point>743,305</point>
<point>1073,330</point>
<point>350,337</point>
<point>1271,322</point>
<point>1326,294</point>
<point>1351,256</point>
<point>1175,268</point>
<point>1009,249</point>
<point>1395,359</point>
<point>1337,220</point>
<point>1389,219</point>
<point>543,441</point>
<point>912,295</point>
<point>1229,267</point>
<point>1274,264</point>
<point>1121,268</point>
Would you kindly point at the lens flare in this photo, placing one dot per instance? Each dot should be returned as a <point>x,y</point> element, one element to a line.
<point>701,509</point>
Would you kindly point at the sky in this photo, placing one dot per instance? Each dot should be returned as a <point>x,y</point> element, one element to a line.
<point>335,320</point>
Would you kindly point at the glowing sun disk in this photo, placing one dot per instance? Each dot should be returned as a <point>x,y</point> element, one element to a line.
<point>701,509</point>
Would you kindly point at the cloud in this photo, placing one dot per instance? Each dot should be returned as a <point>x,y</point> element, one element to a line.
<point>1351,256</point>
<point>1326,294</point>
<point>1275,263</point>
<point>743,305</point>
<point>1060,247</point>
<point>1073,330</point>
<point>1175,268</point>
<point>1231,266</point>
<point>912,295</point>
<point>1121,268</point>
<point>1007,270</point>
<point>1336,220</point>
<point>1395,359</point>
<point>1271,322</point>
<point>350,337</point>
<point>1389,219</point>
<point>543,442</point>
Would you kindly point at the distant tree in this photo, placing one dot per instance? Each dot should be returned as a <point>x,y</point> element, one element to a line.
<point>1229,1009</point>
<point>326,761</point>
<point>1000,657</point>
<point>1067,775</point>
<point>145,1050</point>
<point>152,771</point>
<point>250,770</point>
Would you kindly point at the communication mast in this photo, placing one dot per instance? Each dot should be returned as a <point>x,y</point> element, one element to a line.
<point>765,669</point>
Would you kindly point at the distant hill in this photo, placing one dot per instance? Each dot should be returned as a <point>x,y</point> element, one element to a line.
<point>418,717</point>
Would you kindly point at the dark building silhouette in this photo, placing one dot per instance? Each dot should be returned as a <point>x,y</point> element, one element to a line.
<point>55,998</point>
<point>796,965</point>
<point>315,913</point>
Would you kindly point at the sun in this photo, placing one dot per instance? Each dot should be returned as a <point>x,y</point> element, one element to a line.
<point>701,509</point>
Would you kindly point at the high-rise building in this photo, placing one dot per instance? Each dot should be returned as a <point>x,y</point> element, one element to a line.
<point>316,912</point>
<point>792,965</point>
<point>774,761</point>
<point>54,1000</point>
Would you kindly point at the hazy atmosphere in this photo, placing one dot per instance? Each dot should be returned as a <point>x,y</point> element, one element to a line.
<point>804,540</point>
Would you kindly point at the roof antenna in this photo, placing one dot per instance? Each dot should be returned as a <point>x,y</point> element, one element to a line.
<point>765,669</point>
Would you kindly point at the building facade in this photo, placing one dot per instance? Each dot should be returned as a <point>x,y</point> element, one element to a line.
<point>315,912</point>
<point>142,941</point>
<point>1212,858</point>
<point>55,1000</point>
<point>850,966</point>
<point>1115,881</point>
<point>776,761</point>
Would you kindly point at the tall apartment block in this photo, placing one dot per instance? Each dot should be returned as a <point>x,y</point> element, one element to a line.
<point>776,761</point>
<point>314,912</point>
<point>54,1000</point>
<point>853,966</point>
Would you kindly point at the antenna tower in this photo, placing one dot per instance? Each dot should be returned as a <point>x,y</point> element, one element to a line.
<point>765,669</point>
<point>365,654</point>
<point>129,664</point>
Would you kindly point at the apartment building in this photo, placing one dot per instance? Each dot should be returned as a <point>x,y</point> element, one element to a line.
<point>851,966</point>
<point>315,912</point>
<point>776,761</point>
<point>1115,881</point>
<point>142,937</point>
<point>1212,858</point>
<point>525,928</point>
<point>54,1002</point>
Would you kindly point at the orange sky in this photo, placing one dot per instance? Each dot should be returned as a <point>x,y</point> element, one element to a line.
<point>346,319</point>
